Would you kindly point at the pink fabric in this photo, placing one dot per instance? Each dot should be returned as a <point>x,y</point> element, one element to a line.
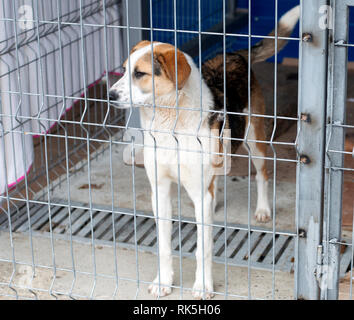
<point>12,185</point>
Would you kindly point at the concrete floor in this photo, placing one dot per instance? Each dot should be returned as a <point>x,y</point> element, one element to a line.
<point>261,283</point>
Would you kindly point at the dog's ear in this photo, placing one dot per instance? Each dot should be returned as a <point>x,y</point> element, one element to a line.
<point>166,59</point>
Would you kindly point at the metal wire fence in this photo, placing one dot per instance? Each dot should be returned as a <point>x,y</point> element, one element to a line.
<point>76,217</point>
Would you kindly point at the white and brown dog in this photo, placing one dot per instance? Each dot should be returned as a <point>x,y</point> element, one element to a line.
<point>181,111</point>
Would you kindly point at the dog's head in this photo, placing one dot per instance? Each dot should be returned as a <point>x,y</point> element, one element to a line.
<point>146,74</point>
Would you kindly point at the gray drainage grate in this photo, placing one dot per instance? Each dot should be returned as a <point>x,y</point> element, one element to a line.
<point>237,240</point>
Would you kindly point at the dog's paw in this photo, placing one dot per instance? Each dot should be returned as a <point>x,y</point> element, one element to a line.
<point>158,291</point>
<point>263,215</point>
<point>200,294</point>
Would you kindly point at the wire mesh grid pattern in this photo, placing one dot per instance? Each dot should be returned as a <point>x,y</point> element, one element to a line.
<point>70,206</point>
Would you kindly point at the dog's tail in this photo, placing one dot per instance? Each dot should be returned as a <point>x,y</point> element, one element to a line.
<point>266,48</point>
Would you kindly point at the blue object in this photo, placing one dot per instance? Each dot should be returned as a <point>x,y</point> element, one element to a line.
<point>263,22</point>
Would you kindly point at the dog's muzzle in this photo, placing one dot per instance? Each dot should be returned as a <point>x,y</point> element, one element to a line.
<point>113,99</point>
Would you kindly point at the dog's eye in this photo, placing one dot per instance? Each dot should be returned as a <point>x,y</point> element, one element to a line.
<point>138,74</point>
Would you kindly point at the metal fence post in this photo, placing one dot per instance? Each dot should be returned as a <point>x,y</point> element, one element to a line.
<point>311,147</point>
<point>337,85</point>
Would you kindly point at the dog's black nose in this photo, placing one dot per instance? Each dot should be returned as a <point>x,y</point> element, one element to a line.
<point>113,95</point>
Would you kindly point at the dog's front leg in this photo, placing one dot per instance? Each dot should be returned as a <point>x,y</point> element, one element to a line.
<point>203,286</point>
<point>161,203</point>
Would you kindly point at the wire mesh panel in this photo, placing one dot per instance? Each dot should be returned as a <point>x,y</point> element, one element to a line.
<point>184,165</point>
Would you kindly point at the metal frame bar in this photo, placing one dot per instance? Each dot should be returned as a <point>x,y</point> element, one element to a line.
<point>311,147</point>
<point>336,110</point>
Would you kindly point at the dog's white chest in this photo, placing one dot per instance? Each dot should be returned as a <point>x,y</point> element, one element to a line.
<point>187,149</point>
